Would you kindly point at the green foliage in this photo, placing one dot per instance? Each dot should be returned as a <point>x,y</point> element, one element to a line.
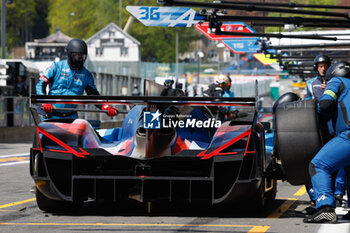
<point>19,15</point>
<point>309,2</point>
<point>75,18</point>
<point>40,27</point>
<point>157,43</point>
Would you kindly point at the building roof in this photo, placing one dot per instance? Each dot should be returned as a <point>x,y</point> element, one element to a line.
<point>112,25</point>
<point>58,37</point>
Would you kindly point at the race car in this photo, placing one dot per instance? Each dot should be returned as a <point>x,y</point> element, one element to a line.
<point>170,149</point>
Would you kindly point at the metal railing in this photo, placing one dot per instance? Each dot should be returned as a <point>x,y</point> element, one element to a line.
<point>14,112</point>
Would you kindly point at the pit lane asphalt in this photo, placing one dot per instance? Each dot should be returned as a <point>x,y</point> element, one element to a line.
<point>19,213</point>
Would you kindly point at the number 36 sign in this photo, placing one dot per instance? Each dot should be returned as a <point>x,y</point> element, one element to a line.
<point>165,16</point>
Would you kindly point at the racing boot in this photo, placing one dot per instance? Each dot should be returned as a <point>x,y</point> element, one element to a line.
<point>309,211</point>
<point>325,214</point>
<point>338,200</point>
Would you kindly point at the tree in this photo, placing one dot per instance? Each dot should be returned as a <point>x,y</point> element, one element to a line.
<point>308,2</point>
<point>40,27</point>
<point>75,18</point>
<point>158,44</point>
<point>19,19</point>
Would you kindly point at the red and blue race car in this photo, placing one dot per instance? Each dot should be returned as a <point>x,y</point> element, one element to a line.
<point>170,149</point>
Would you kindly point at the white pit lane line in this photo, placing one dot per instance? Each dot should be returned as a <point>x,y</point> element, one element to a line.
<point>20,161</point>
<point>14,155</point>
<point>335,228</point>
<point>343,226</point>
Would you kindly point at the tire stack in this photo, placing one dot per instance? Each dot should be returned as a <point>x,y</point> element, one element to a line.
<point>298,138</point>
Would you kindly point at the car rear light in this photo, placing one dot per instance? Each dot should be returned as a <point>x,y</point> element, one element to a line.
<point>226,149</point>
<point>60,143</point>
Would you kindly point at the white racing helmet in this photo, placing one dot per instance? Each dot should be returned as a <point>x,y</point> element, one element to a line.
<point>223,81</point>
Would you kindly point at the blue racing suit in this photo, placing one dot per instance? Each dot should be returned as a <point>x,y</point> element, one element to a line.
<point>227,109</point>
<point>334,104</point>
<point>64,81</point>
<point>313,88</point>
<point>314,91</point>
<point>229,94</point>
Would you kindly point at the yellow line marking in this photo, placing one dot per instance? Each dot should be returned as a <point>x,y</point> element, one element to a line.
<point>301,191</point>
<point>254,228</point>
<point>17,203</point>
<point>13,159</point>
<point>259,229</point>
<point>283,208</point>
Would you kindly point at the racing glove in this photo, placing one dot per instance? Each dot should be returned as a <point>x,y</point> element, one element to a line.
<point>111,111</point>
<point>47,108</point>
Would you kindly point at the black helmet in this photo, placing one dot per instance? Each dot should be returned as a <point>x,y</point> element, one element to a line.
<point>168,83</point>
<point>321,59</point>
<point>339,69</point>
<point>76,53</point>
<point>285,98</point>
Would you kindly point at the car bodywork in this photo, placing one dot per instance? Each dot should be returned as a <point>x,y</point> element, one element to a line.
<point>70,161</point>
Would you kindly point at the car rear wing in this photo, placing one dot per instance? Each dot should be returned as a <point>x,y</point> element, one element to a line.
<point>143,100</point>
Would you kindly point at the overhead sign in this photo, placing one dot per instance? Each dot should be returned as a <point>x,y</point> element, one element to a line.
<point>226,27</point>
<point>165,16</point>
<point>243,45</point>
<point>261,57</point>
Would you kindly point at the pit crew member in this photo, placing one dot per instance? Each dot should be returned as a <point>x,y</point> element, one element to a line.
<point>221,88</point>
<point>69,77</point>
<point>333,104</point>
<point>314,90</point>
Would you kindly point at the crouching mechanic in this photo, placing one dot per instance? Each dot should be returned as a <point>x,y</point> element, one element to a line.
<point>69,77</point>
<point>221,88</point>
<point>334,104</point>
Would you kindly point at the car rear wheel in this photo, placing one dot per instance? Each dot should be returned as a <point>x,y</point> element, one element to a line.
<point>257,202</point>
<point>49,205</point>
<point>298,138</point>
<point>45,203</point>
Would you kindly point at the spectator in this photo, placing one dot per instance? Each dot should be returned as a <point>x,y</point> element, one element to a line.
<point>21,88</point>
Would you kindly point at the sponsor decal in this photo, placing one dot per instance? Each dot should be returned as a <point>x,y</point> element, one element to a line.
<point>322,198</point>
<point>78,81</point>
<point>79,75</point>
<point>153,120</point>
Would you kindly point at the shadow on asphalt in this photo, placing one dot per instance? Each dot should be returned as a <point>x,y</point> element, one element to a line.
<point>134,208</point>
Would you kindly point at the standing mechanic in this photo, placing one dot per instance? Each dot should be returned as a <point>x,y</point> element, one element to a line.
<point>316,86</point>
<point>314,90</point>
<point>334,104</point>
<point>69,77</point>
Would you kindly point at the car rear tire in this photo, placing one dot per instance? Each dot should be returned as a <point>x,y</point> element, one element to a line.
<point>49,205</point>
<point>298,138</point>
<point>257,202</point>
<point>46,204</point>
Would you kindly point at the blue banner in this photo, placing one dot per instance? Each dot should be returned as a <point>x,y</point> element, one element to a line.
<point>243,45</point>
